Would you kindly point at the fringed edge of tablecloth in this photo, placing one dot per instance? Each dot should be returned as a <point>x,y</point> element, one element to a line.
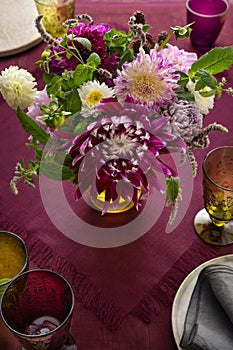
<point>163,293</point>
<point>85,292</point>
<point>160,296</point>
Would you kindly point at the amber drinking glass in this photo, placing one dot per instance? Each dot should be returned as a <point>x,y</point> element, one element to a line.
<point>214,224</point>
<point>13,258</point>
<point>55,13</point>
<point>37,307</point>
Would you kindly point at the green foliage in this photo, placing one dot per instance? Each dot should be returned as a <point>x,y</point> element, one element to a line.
<point>172,188</point>
<point>31,127</point>
<point>118,41</point>
<point>215,61</point>
<point>182,32</point>
<point>55,171</point>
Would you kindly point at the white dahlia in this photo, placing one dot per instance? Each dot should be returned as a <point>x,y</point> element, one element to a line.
<point>17,87</point>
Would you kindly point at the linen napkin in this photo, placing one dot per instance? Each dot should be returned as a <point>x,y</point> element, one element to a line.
<point>209,319</point>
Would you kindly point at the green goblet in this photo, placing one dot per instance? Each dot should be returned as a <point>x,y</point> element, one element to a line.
<point>13,258</point>
<point>214,224</point>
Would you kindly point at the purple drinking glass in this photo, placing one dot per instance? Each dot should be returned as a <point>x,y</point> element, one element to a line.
<point>37,308</point>
<point>208,17</point>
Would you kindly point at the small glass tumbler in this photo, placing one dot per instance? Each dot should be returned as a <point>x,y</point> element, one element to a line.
<point>55,13</point>
<point>37,308</point>
<point>208,17</point>
<point>13,258</point>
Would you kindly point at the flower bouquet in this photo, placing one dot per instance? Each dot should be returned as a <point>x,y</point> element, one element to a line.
<point>114,104</point>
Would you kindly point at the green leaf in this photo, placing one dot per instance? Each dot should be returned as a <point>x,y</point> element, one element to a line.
<point>83,41</point>
<point>81,74</point>
<point>207,79</point>
<point>185,95</point>
<point>32,128</point>
<point>215,61</point>
<point>127,56</point>
<point>183,78</point>
<point>81,126</point>
<point>172,188</point>
<point>207,93</point>
<point>94,60</point>
<point>146,27</point>
<point>55,171</point>
<point>72,101</point>
<point>54,85</point>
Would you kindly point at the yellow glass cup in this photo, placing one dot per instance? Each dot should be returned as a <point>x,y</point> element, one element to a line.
<point>13,258</point>
<point>55,13</point>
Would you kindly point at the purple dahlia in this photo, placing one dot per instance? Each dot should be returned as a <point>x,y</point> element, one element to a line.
<point>119,153</point>
<point>95,34</point>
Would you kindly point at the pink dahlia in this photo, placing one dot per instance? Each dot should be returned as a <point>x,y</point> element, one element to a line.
<point>120,153</point>
<point>149,80</point>
<point>179,59</point>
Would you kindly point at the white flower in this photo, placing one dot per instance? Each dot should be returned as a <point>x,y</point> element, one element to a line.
<point>202,102</point>
<point>91,94</point>
<point>17,87</point>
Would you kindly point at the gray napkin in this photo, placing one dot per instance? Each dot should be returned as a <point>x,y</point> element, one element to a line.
<point>209,318</point>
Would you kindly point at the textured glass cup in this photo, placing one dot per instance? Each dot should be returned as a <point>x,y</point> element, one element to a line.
<point>55,13</point>
<point>37,307</point>
<point>214,224</point>
<point>13,258</point>
<point>209,17</point>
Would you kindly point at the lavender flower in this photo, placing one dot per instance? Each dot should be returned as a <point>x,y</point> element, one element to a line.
<point>149,80</point>
<point>179,59</point>
<point>186,120</point>
<point>34,110</point>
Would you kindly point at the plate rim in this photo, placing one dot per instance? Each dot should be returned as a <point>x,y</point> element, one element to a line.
<point>21,48</point>
<point>183,284</point>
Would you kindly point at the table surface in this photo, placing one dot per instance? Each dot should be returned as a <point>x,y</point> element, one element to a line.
<point>123,295</point>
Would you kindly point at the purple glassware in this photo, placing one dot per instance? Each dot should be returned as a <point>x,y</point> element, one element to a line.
<point>209,17</point>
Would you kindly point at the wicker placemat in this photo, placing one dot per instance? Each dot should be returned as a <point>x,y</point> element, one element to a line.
<point>17,29</point>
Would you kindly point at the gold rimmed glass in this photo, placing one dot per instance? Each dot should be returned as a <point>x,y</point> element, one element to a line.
<point>55,13</point>
<point>214,223</point>
<point>13,258</point>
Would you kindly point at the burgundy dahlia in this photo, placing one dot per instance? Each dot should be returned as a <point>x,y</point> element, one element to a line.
<point>120,153</point>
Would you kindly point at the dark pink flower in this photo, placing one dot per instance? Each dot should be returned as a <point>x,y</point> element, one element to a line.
<point>120,152</point>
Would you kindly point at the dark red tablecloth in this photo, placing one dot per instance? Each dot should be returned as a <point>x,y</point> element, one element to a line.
<point>124,294</point>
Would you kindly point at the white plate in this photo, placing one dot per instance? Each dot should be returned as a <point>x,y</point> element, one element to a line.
<point>17,29</point>
<point>183,295</point>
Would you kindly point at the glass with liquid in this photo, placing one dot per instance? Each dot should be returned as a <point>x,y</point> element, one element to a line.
<point>13,258</point>
<point>55,13</point>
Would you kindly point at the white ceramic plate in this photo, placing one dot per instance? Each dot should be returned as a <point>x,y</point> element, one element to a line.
<point>17,29</point>
<point>183,295</point>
